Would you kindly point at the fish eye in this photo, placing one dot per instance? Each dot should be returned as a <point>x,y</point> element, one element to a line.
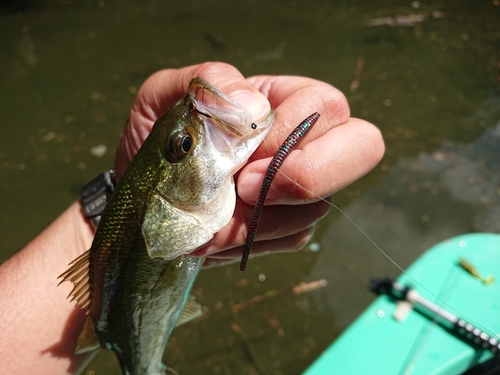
<point>180,145</point>
<point>185,143</point>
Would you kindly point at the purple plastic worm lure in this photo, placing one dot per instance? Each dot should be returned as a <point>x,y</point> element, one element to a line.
<point>275,164</point>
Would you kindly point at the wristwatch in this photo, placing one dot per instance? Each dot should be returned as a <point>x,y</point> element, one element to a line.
<point>95,195</point>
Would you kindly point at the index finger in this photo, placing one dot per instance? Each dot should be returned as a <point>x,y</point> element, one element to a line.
<point>336,152</point>
<point>294,98</point>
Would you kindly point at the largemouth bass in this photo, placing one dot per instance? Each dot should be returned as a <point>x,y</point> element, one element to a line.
<point>177,192</point>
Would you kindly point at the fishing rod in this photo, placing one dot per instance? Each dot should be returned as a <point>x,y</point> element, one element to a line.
<point>466,331</point>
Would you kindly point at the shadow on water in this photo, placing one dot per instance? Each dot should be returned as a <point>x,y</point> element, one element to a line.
<point>426,73</point>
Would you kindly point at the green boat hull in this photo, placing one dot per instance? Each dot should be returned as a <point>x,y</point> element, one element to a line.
<point>378,344</point>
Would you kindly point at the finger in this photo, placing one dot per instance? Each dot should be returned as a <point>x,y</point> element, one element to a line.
<point>319,167</point>
<point>164,88</point>
<point>276,222</point>
<point>295,98</point>
<point>291,243</point>
<point>333,154</point>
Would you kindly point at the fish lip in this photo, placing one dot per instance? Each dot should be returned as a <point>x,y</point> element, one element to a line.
<point>247,126</point>
<point>229,127</point>
<point>231,144</point>
<point>213,103</point>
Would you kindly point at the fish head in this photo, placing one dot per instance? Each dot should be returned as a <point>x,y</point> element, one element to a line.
<point>205,139</point>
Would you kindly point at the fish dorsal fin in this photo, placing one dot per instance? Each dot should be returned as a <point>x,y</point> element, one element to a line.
<point>78,274</point>
<point>87,341</point>
<point>191,310</point>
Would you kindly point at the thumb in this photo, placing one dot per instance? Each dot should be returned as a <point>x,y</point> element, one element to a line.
<point>164,88</point>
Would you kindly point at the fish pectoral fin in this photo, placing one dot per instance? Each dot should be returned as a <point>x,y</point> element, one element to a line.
<point>87,341</point>
<point>191,310</point>
<point>167,278</point>
<point>78,274</point>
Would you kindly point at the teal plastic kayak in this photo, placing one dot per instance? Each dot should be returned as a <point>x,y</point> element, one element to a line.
<point>461,278</point>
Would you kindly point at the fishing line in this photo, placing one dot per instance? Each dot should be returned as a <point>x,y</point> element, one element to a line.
<point>449,285</point>
<point>370,240</point>
<point>387,256</point>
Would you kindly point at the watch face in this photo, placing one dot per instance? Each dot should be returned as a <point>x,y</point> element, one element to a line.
<point>95,195</point>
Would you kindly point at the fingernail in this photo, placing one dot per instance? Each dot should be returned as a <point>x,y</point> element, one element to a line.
<point>249,187</point>
<point>254,102</point>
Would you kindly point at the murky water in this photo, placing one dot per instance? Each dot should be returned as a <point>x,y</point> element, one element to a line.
<point>429,77</point>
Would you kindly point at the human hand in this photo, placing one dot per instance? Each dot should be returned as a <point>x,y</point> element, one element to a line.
<point>336,152</point>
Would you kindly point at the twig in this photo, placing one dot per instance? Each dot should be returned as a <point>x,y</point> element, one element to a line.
<point>297,289</point>
<point>357,74</point>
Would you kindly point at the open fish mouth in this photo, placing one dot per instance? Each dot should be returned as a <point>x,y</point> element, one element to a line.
<point>230,128</point>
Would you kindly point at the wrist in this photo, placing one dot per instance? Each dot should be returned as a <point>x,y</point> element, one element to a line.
<point>86,213</point>
<point>33,302</point>
<point>82,229</point>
